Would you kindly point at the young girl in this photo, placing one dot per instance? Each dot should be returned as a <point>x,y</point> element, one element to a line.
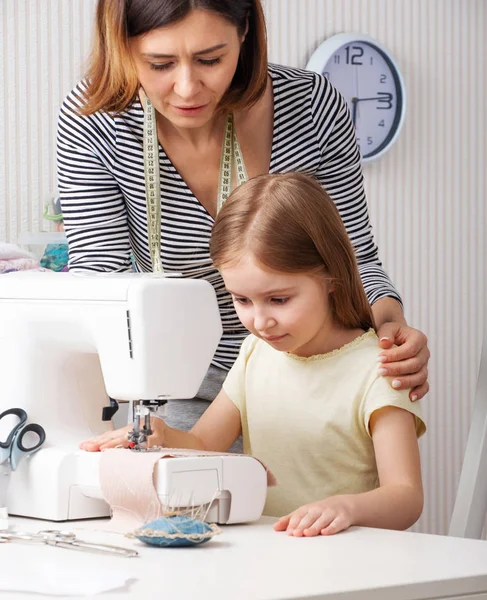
<point>306,391</point>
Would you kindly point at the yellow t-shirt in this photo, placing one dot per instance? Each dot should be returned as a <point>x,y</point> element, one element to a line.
<point>307,419</point>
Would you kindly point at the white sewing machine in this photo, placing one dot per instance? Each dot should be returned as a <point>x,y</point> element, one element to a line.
<point>68,342</point>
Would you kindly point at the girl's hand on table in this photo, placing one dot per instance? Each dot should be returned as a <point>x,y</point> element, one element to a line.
<point>325,517</point>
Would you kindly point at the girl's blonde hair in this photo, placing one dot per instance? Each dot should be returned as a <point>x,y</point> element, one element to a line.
<point>112,83</point>
<point>290,224</point>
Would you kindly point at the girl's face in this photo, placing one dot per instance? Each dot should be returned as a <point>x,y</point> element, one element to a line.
<point>186,68</point>
<point>290,311</point>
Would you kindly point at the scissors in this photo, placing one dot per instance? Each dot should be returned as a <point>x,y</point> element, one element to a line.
<point>65,539</point>
<point>14,448</point>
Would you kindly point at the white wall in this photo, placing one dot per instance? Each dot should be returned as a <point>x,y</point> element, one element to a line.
<point>427,195</point>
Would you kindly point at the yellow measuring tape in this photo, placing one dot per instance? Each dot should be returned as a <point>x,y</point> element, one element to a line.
<point>152,185</point>
<point>231,153</point>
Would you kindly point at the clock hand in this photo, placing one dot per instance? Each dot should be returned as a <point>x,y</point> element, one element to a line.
<point>365,99</point>
<point>354,110</point>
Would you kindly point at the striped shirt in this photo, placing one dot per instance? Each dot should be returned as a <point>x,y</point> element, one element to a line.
<point>102,189</point>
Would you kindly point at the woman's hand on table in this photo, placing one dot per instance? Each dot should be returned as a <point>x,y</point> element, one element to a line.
<point>408,362</point>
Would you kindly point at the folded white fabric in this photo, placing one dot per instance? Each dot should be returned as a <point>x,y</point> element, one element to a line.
<point>64,584</point>
<point>54,575</point>
<point>11,251</point>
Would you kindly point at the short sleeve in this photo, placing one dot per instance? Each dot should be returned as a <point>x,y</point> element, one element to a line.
<point>381,394</point>
<point>234,384</point>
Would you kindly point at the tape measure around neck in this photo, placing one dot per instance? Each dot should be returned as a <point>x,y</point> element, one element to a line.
<point>152,185</point>
<point>231,153</point>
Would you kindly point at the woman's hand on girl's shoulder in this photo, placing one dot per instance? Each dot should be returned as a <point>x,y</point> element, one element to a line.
<point>325,517</point>
<point>408,362</point>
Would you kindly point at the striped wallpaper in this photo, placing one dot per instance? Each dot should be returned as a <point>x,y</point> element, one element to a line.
<point>427,195</point>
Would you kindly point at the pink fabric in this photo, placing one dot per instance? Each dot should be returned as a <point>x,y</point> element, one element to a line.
<point>19,264</point>
<point>127,484</point>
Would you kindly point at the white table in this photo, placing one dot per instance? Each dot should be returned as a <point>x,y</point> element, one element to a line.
<point>250,562</point>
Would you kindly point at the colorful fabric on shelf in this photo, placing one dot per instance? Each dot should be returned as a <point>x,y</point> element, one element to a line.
<point>14,258</point>
<point>55,257</point>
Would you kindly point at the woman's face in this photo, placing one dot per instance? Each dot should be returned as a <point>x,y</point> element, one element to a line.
<point>186,68</point>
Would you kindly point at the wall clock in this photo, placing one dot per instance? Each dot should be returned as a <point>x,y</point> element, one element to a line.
<point>369,79</point>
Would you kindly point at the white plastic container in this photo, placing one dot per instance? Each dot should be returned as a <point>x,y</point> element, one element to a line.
<point>36,242</point>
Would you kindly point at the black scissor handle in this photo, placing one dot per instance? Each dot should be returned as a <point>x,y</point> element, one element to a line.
<point>22,415</point>
<point>31,428</point>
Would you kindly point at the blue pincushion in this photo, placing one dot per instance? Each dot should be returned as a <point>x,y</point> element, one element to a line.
<point>176,530</point>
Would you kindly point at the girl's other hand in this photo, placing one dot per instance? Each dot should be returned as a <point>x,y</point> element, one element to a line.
<point>118,437</point>
<point>325,517</point>
<point>408,363</point>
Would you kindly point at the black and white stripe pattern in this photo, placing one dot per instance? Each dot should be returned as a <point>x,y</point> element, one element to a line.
<point>101,183</point>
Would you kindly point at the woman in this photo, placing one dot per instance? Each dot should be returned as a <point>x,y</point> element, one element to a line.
<point>184,66</point>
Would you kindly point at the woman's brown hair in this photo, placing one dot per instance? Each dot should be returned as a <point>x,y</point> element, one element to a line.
<point>112,83</point>
<point>290,224</point>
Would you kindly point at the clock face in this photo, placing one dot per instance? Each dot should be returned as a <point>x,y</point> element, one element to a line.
<point>370,83</point>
